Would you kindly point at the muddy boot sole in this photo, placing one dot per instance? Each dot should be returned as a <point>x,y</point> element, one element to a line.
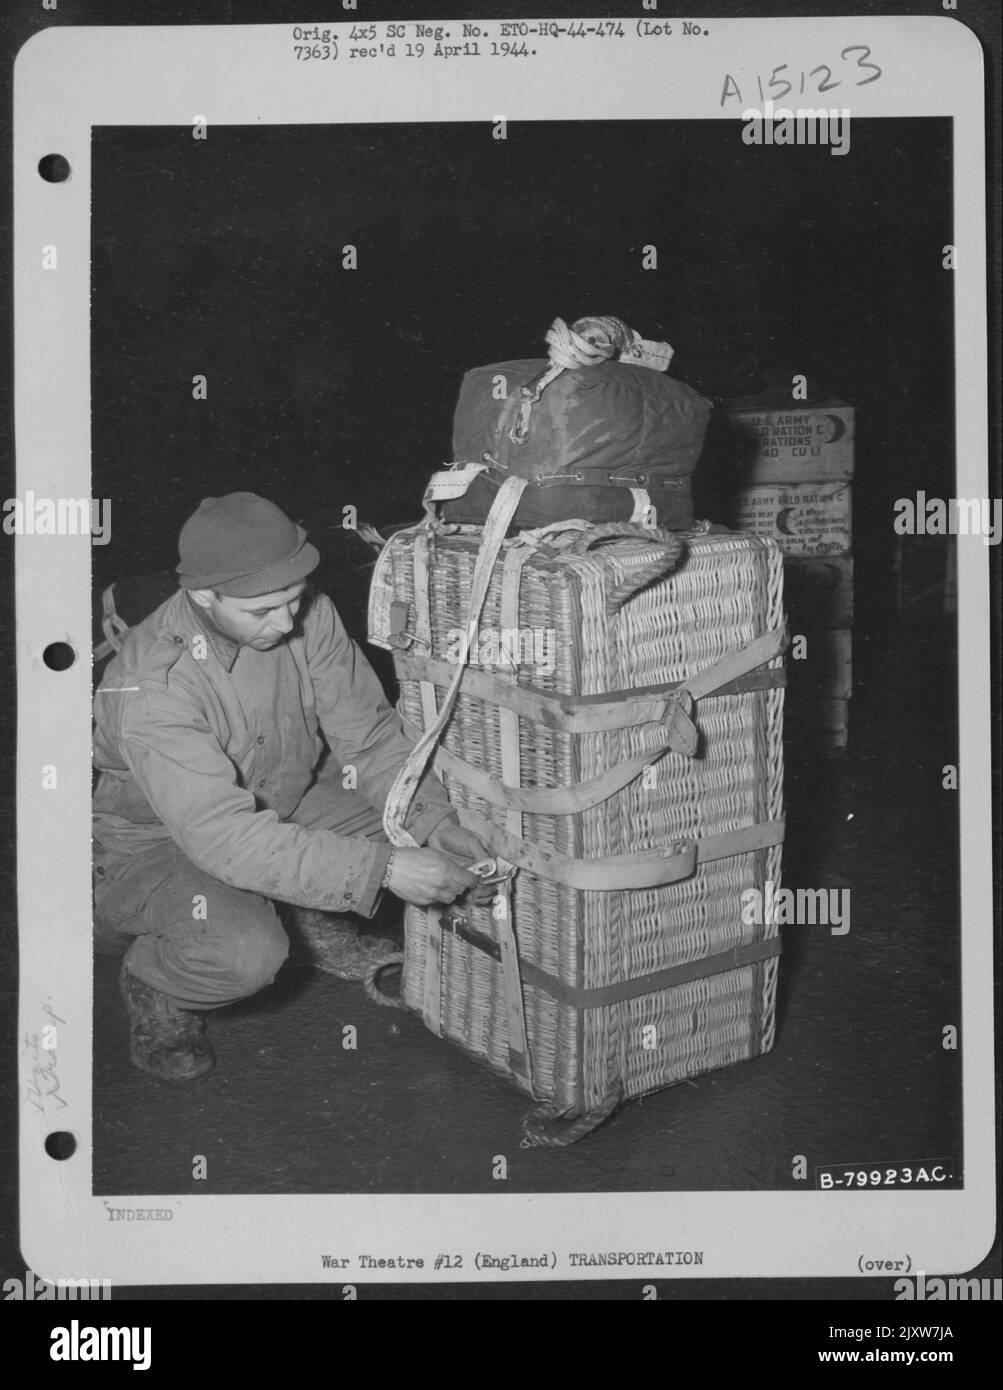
<point>165,1042</point>
<point>173,1064</point>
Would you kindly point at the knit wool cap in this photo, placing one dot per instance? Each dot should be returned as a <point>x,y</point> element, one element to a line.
<point>242,545</point>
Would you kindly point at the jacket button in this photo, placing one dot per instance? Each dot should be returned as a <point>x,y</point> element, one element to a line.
<point>261,738</point>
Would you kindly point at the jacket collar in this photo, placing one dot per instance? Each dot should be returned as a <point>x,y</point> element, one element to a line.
<point>186,620</point>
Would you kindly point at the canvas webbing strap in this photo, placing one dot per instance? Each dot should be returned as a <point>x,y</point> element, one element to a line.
<point>431,1008</point>
<point>432,1003</point>
<point>505,792</point>
<point>518,1046</point>
<point>595,998</point>
<point>515,1015</point>
<point>405,784</point>
<point>760,649</point>
<point>599,995</point>
<point>614,872</point>
<point>641,506</point>
<point>423,621</point>
<point>508,615</point>
<point>545,801</point>
<point>449,483</point>
<point>586,714</point>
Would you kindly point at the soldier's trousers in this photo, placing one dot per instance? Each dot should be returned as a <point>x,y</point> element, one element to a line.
<point>151,903</point>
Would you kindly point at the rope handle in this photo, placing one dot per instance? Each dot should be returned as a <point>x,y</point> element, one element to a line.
<point>671,543</point>
<point>585,540</point>
<point>548,1126</point>
<point>371,982</point>
<point>588,342</point>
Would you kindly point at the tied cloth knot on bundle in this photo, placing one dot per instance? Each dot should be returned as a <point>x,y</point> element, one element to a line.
<point>588,342</point>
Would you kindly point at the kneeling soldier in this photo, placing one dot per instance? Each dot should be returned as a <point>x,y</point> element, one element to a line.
<point>224,730</point>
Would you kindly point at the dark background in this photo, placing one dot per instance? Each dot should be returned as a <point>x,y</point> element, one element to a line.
<point>327,387</point>
<point>692,364</point>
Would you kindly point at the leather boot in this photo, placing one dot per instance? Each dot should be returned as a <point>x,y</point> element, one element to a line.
<point>168,1042</point>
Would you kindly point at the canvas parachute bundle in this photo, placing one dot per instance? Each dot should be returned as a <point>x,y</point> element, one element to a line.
<point>616,916</point>
<point>598,429</point>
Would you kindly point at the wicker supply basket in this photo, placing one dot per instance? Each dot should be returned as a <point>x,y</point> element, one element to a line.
<point>628,766</point>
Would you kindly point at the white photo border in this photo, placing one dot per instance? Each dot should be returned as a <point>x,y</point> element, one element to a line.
<point>68,80</point>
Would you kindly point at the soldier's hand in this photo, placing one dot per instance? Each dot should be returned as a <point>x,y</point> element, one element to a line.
<point>464,846</point>
<point>424,877</point>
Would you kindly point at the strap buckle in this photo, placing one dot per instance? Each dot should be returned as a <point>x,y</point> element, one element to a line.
<point>681,731</point>
<point>400,614</point>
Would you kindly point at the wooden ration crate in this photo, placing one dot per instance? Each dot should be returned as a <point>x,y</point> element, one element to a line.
<point>820,686</point>
<point>618,959</point>
<point>823,725</point>
<point>790,443</point>
<point>804,519</point>
<point>825,672</point>
<point>819,593</point>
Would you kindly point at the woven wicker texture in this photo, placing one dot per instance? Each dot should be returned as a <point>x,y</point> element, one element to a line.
<point>727,591</point>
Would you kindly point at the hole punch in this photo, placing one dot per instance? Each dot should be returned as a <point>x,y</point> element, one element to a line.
<point>59,656</point>
<point>60,1145</point>
<point>54,168</point>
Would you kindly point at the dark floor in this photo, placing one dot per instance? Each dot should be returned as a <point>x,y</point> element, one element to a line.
<point>858,1074</point>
